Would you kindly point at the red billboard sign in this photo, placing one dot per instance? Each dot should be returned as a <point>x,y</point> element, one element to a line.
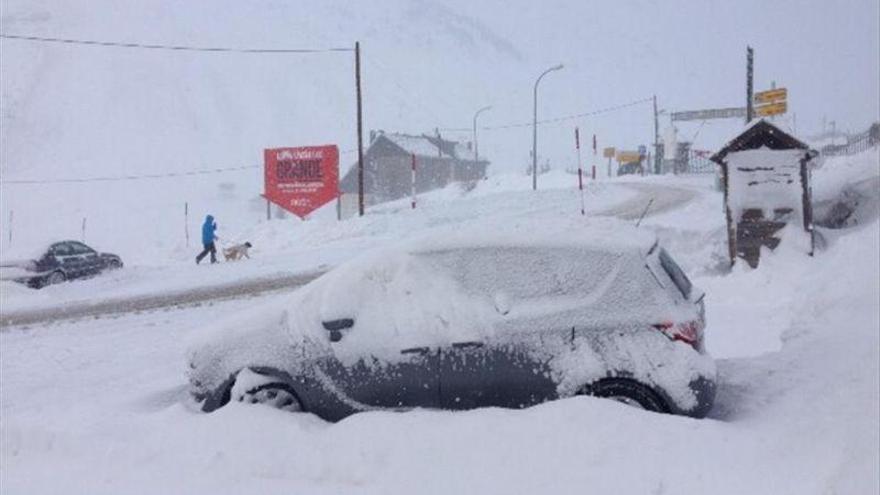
<point>303,179</point>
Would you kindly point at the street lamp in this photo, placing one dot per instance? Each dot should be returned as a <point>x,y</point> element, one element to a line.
<point>476,149</point>
<point>535,128</point>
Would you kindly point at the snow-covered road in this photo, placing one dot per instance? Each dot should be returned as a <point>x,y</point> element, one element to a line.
<point>153,288</point>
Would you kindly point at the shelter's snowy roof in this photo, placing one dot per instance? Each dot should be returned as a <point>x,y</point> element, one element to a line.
<point>751,138</point>
<point>418,145</point>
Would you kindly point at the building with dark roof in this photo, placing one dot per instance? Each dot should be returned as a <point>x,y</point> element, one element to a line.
<point>388,166</point>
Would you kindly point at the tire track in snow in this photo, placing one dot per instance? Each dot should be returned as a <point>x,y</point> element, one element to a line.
<point>175,299</point>
<point>665,198</point>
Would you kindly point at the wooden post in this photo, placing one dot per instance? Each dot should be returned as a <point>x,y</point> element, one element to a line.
<point>577,144</point>
<point>360,127</point>
<point>413,181</point>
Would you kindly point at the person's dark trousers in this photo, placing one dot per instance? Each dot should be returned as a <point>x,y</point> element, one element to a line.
<point>209,248</point>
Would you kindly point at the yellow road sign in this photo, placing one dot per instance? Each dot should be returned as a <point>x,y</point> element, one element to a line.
<point>772,95</point>
<point>771,109</point>
<point>608,152</point>
<point>628,156</point>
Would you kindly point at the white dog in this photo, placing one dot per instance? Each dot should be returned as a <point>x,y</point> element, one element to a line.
<point>237,252</point>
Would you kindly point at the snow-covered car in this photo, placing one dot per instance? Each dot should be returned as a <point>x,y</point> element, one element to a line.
<point>471,319</point>
<point>65,260</point>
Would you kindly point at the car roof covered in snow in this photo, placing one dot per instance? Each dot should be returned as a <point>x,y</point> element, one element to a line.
<point>588,233</point>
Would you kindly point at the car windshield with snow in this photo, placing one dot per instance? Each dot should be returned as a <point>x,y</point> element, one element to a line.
<point>467,320</point>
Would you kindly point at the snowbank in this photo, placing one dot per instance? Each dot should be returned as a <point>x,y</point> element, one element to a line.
<point>799,421</point>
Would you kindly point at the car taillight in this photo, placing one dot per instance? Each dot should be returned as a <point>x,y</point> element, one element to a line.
<point>690,332</point>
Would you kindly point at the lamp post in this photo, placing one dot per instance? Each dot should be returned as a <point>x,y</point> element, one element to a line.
<point>535,127</point>
<point>476,149</point>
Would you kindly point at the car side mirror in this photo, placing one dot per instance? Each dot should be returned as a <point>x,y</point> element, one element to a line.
<point>335,327</point>
<point>502,303</point>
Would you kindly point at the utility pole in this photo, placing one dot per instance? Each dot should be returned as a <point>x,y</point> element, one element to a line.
<point>656,140</point>
<point>360,126</point>
<point>750,109</point>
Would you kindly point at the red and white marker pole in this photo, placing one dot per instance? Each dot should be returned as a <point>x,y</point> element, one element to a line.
<point>577,144</point>
<point>413,182</point>
<point>594,157</point>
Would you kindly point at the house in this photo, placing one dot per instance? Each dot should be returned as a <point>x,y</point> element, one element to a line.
<point>766,180</point>
<point>388,167</point>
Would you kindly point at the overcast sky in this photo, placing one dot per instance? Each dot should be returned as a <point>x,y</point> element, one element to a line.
<point>427,64</point>
<point>692,54</point>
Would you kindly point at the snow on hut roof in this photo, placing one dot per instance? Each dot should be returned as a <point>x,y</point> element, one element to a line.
<point>774,138</point>
<point>418,145</point>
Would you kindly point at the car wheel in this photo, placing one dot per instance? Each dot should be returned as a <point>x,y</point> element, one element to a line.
<point>629,392</point>
<point>253,388</point>
<point>55,278</point>
<point>114,265</point>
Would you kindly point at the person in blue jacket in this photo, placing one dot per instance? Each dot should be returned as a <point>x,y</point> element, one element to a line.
<point>208,238</point>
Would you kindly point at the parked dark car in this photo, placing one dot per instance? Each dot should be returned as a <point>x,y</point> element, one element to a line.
<point>472,320</point>
<point>61,261</point>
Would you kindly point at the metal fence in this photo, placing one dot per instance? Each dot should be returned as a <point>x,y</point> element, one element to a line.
<point>856,143</point>
<point>698,162</point>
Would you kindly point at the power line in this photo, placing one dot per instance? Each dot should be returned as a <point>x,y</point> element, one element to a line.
<point>128,177</point>
<point>554,120</point>
<point>140,177</point>
<point>146,46</point>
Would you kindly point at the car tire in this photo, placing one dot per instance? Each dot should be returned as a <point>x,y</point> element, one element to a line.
<point>55,277</point>
<point>254,388</point>
<point>114,265</point>
<point>629,392</point>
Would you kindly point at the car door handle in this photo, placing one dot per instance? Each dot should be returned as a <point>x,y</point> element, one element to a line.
<point>416,350</point>
<point>467,345</point>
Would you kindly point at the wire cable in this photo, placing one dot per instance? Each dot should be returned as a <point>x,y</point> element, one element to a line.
<point>555,119</point>
<point>128,177</point>
<point>119,44</point>
<point>139,177</point>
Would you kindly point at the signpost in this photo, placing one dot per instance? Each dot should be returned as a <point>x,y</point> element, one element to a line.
<point>771,102</point>
<point>628,156</point>
<point>303,179</point>
<point>711,113</point>
<point>771,109</point>
<point>771,95</point>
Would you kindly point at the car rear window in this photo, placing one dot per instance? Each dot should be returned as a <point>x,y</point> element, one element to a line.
<point>675,273</point>
<point>527,272</point>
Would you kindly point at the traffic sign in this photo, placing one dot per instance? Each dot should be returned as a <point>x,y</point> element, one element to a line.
<point>771,95</point>
<point>771,109</point>
<point>628,156</point>
<point>608,152</point>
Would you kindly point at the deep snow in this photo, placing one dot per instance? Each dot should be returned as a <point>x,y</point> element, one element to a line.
<point>98,402</point>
